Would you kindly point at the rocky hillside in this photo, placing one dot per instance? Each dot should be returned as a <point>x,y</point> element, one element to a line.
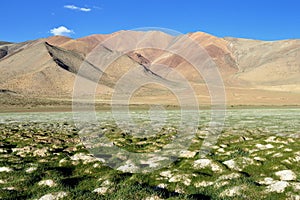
<point>253,72</point>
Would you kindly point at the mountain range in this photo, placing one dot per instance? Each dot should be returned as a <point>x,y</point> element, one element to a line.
<point>254,72</point>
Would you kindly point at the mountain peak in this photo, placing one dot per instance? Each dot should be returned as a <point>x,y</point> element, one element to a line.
<point>252,71</point>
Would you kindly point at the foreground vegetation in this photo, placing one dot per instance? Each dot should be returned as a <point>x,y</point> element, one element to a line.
<point>257,160</point>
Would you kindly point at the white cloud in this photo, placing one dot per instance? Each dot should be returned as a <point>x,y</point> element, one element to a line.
<point>85,9</point>
<point>73,7</point>
<point>61,31</point>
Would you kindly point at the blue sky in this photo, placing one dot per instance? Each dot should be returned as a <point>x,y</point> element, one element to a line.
<point>23,20</point>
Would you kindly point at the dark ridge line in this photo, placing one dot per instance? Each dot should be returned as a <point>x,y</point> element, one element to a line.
<point>105,47</point>
<point>74,54</point>
<point>7,91</point>
<point>3,52</point>
<point>74,69</point>
<point>149,71</point>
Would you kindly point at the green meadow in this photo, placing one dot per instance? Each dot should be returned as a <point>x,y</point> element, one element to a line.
<point>255,156</point>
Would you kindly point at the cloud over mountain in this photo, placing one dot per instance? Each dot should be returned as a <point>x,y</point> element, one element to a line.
<point>62,30</point>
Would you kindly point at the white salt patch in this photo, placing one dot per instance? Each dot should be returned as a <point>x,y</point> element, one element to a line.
<point>49,183</point>
<point>5,169</point>
<point>166,174</point>
<point>278,186</point>
<point>187,154</point>
<point>54,196</point>
<point>231,164</point>
<point>204,184</point>
<point>267,181</point>
<point>101,190</point>
<point>286,175</point>
<point>231,192</point>
<point>263,147</point>
<point>31,169</point>
<point>229,176</point>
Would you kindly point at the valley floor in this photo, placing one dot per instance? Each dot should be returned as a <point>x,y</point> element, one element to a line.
<point>257,156</point>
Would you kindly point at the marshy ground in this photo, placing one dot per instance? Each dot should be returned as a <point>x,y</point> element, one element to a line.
<point>257,156</point>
